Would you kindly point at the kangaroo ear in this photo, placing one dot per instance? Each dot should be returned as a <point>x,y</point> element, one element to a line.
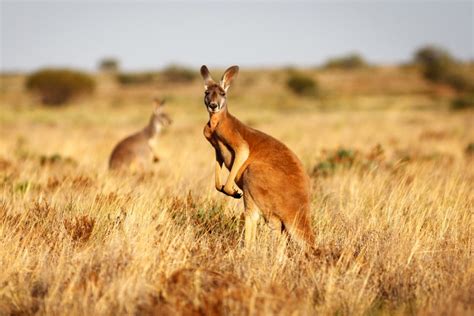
<point>229,76</point>
<point>206,75</point>
<point>158,104</point>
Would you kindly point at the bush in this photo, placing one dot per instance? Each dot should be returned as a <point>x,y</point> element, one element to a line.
<point>109,65</point>
<point>351,61</point>
<point>459,80</point>
<point>463,102</point>
<point>346,158</point>
<point>58,86</point>
<point>178,74</point>
<point>343,158</point>
<point>302,85</point>
<point>136,78</point>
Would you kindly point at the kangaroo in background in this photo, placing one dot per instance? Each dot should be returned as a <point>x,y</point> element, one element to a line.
<point>138,150</point>
<point>268,174</point>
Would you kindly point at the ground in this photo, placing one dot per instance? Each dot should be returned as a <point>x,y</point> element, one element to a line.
<point>392,202</point>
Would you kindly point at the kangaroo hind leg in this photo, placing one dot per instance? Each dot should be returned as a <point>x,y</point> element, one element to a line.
<point>252,216</point>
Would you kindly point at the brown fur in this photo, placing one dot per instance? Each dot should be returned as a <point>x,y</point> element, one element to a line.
<point>270,177</point>
<point>137,151</point>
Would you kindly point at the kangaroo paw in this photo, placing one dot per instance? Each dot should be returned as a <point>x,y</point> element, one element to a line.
<point>235,193</point>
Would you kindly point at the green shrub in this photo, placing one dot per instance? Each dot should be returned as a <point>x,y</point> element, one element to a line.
<point>341,158</point>
<point>302,85</point>
<point>178,74</point>
<point>136,78</point>
<point>463,102</point>
<point>56,159</point>
<point>346,158</point>
<point>351,61</point>
<point>58,86</point>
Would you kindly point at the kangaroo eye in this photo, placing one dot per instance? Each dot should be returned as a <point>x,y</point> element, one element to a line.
<point>206,92</point>
<point>223,94</point>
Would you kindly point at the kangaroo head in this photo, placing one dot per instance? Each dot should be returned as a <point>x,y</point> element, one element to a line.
<point>215,94</point>
<point>159,118</point>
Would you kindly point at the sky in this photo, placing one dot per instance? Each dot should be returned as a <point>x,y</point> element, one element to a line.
<point>150,35</point>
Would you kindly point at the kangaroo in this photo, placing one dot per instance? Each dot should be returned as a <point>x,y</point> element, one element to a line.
<point>263,170</point>
<point>137,151</point>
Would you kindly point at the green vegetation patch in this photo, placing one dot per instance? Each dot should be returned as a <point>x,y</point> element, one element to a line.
<point>58,86</point>
<point>302,85</point>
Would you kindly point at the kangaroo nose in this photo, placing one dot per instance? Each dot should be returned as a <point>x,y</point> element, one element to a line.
<point>213,105</point>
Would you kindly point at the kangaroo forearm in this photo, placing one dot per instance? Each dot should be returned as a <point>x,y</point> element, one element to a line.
<point>153,151</point>
<point>218,175</point>
<point>241,156</point>
<point>218,170</point>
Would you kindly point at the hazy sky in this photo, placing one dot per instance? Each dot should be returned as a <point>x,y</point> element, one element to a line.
<point>153,34</point>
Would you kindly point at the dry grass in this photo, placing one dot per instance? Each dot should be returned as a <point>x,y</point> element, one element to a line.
<point>393,210</point>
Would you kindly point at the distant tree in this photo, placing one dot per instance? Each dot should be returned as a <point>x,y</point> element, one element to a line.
<point>436,62</point>
<point>109,64</point>
<point>57,86</point>
<point>438,65</point>
<point>351,61</point>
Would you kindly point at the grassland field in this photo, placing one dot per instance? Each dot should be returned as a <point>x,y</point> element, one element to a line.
<point>392,202</point>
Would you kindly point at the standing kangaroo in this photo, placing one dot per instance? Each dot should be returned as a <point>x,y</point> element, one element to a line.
<point>137,151</point>
<point>262,169</point>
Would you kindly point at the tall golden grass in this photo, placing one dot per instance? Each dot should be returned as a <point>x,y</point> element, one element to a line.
<point>392,207</point>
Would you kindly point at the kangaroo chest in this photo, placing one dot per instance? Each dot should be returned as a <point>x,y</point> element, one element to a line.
<point>221,147</point>
<point>153,142</point>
